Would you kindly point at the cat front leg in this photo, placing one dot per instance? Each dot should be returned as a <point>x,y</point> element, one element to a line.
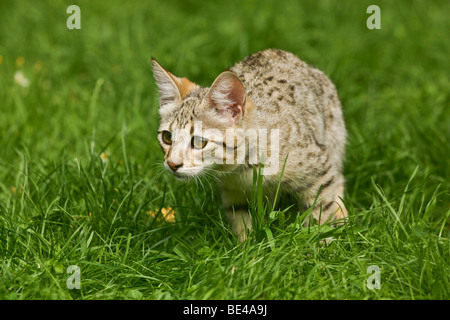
<point>329,206</point>
<point>236,211</point>
<point>240,222</point>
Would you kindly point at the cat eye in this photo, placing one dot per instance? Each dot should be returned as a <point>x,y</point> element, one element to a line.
<point>166,137</point>
<point>198,142</point>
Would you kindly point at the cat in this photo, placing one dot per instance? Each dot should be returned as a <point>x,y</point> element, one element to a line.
<point>270,90</point>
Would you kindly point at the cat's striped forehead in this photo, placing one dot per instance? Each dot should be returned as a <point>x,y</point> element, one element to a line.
<point>183,114</point>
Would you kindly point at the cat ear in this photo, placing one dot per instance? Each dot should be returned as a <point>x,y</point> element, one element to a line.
<point>171,88</point>
<point>227,96</point>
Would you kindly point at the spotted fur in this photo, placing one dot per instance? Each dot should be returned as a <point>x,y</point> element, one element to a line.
<point>271,89</point>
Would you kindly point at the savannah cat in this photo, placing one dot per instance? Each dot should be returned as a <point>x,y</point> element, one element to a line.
<point>272,90</point>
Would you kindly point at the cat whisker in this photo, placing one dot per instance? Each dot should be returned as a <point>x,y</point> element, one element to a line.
<point>204,175</point>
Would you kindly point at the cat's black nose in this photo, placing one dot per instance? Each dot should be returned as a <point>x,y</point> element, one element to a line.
<point>174,166</point>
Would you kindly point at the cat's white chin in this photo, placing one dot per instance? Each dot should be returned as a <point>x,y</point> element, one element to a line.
<point>180,176</point>
<point>186,173</point>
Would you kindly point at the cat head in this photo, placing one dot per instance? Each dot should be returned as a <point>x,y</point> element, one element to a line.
<point>195,121</point>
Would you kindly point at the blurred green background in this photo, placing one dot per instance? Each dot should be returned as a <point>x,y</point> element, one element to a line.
<point>70,98</point>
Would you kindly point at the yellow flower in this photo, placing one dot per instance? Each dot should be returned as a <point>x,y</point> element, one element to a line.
<point>37,66</point>
<point>168,214</point>
<point>104,157</point>
<point>20,61</point>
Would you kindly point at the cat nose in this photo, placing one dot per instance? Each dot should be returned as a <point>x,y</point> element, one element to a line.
<point>174,166</point>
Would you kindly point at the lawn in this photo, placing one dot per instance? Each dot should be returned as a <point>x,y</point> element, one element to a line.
<point>81,179</point>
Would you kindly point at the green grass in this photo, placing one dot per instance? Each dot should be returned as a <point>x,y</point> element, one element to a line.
<point>92,92</point>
